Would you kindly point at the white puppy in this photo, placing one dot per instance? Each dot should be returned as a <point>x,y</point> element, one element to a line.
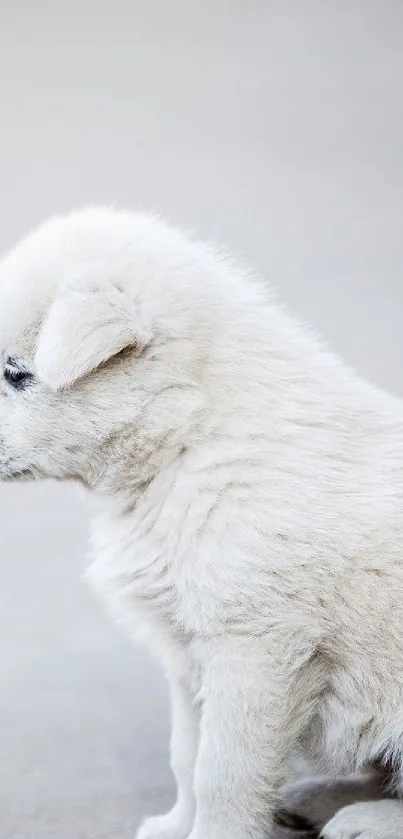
<point>248,503</point>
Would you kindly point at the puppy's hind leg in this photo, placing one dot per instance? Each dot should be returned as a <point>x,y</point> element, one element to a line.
<point>370,820</point>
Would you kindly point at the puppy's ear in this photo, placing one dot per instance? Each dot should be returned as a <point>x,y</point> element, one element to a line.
<point>84,328</point>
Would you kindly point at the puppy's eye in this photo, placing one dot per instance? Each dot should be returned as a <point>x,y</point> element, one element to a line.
<point>16,376</point>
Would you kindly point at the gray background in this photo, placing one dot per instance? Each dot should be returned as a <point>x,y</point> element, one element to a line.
<point>274,127</point>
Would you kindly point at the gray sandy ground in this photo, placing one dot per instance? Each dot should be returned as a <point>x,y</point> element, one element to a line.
<point>272,125</point>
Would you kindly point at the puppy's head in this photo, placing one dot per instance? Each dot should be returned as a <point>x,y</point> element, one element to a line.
<point>97,373</point>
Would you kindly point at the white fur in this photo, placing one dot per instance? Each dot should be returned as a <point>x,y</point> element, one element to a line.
<point>372,820</point>
<point>247,501</point>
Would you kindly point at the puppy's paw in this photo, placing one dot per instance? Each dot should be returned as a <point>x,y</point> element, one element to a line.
<point>369,820</point>
<point>176,824</point>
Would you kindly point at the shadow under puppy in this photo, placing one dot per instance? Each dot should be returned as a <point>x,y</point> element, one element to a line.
<point>309,801</point>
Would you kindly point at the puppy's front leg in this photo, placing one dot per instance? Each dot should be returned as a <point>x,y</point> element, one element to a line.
<point>245,737</point>
<point>178,822</point>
